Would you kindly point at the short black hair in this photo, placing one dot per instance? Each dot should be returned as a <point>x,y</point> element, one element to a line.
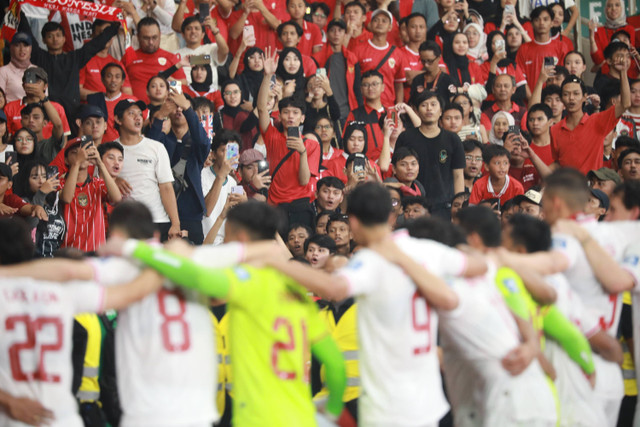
<point>293,101</point>
<point>551,90</point>
<point>530,232</point>
<point>111,145</point>
<point>355,3</point>
<point>16,245</point>
<point>330,181</point>
<point>482,221</point>
<point>535,13</point>
<point>614,47</point>
<point>419,98</point>
<point>562,71</point>
<point>294,24</point>
<point>201,101</point>
<point>625,153</point>
<point>452,106</point>
<point>573,79</point>
<point>338,217</point>
<point>436,229</point>
<point>103,72</point>
<point>260,220</point>
<point>370,203</point>
<point>188,21</point>
<point>468,145</point>
<point>147,21</point>
<point>50,27</point>
<point>134,218</point>
<point>97,23</point>
<point>323,241</point>
<point>372,73</point>
<point>432,46</point>
<point>415,200</point>
<point>415,15</point>
<point>629,192</point>
<point>627,141</point>
<point>618,33</point>
<point>493,150</point>
<point>28,109</point>
<point>570,185</point>
<point>541,107</point>
<point>319,5</point>
<point>223,137</point>
<point>402,153</point>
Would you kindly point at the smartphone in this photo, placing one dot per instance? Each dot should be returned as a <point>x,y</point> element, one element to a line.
<point>509,9</point>
<point>200,60</point>
<point>394,117</point>
<point>321,72</point>
<point>52,171</point>
<point>549,61</point>
<point>176,85</point>
<point>248,32</point>
<point>274,81</point>
<point>30,77</point>
<point>359,163</point>
<point>293,131</point>
<point>85,141</point>
<point>233,150</point>
<point>11,157</point>
<point>203,11</point>
<point>499,45</point>
<point>493,201</point>
<point>514,129</point>
<point>263,165</point>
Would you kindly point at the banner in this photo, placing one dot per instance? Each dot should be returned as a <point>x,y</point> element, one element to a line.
<point>94,10</point>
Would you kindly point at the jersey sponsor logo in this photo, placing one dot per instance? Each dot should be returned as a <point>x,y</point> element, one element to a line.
<point>510,284</point>
<point>443,156</point>
<point>365,60</point>
<point>307,36</point>
<point>631,260</point>
<point>355,265</point>
<point>162,61</point>
<point>557,242</point>
<point>144,161</point>
<point>242,274</point>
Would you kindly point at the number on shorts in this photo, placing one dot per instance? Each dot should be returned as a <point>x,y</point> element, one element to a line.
<point>176,318</point>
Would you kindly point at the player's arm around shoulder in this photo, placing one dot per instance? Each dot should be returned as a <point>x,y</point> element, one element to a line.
<point>55,270</point>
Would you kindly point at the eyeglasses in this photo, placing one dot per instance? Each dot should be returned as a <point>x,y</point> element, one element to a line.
<point>430,61</point>
<point>368,85</point>
<point>24,139</point>
<point>320,15</point>
<point>323,127</point>
<point>473,159</point>
<point>231,92</point>
<point>447,21</point>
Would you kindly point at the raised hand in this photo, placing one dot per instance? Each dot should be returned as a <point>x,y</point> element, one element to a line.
<point>270,59</point>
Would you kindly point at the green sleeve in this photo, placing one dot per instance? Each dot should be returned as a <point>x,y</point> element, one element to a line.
<point>514,293</point>
<point>327,352</point>
<point>214,282</point>
<point>565,333</point>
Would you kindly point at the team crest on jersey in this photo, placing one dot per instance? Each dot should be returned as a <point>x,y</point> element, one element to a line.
<point>242,274</point>
<point>631,260</point>
<point>392,62</point>
<point>83,199</point>
<point>350,69</point>
<point>443,156</point>
<point>162,61</point>
<point>511,285</point>
<point>307,36</point>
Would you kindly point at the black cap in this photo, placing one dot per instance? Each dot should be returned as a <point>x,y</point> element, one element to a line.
<point>91,111</point>
<point>124,105</point>
<point>5,170</point>
<point>602,197</point>
<point>22,38</point>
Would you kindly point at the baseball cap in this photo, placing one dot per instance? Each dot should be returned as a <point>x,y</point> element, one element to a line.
<point>605,174</point>
<point>21,38</point>
<point>379,11</point>
<point>249,156</point>
<point>5,170</point>
<point>531,196</point>
<point>91,111</point>
<point>337,23</point>
<point>124,105</point>
<point>37,72</point>
<point>600,195</point>
<point>74,143</point>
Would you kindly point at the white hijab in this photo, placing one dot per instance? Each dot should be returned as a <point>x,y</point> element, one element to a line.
<point>479,53</point>
<point>621,21</point>
<point>493,139</point>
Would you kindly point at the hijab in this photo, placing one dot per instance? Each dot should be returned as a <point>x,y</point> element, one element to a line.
<point>458,65</point>
<point>228,110</point>
<point>301,83</point>
<point>493,139</point>
<point>489,46</point>
<point>480,51</point>
<point>208,81</point>
<point>620,21</point>
<point>250,80</point>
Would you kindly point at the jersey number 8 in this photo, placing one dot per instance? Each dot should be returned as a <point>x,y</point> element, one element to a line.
<point>176,319</point>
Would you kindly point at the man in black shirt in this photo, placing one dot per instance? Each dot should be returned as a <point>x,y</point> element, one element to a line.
<point>433,79</point>
<point>440,153</point>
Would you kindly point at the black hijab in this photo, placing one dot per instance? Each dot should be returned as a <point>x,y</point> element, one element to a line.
<point>250,80</point>
<point>458,65</point>
<point>298,76</point>
<point>227,109</point>
<point>204,86</point>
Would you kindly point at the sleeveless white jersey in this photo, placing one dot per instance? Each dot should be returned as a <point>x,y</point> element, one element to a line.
<point>475,337</point>
<point>397,332</point>
<point>578,404</point>
<point>36,324</point>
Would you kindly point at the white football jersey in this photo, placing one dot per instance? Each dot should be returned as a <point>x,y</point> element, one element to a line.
<point>632,264</point>
<point>475,337</point>
<point>36,324</point>
<point>397,333</point>
<point>578,403</point>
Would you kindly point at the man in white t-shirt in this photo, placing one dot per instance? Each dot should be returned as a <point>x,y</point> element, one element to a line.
<point>146,171</point>
<point>36,322</point>
<point>397,322</point>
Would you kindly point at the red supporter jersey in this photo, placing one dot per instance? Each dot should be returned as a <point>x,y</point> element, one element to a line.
<point>90,78</point>
<point>214,96</point>
<point>142,66</point>
<point>512,70</point>
<point>356,43</point>
<point>412,62</point>
<point>531,56</point>
<point>543,152</point>
<point>583,147</point>
<point>285,187</point>
<point>112,134</point>
<point>369,56</point>
<point>85,216</point>
<point>481,190</point>
<point>527,175</point>
<point>311,37</point>
<point>12,201</point>
<point>14,119</point>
